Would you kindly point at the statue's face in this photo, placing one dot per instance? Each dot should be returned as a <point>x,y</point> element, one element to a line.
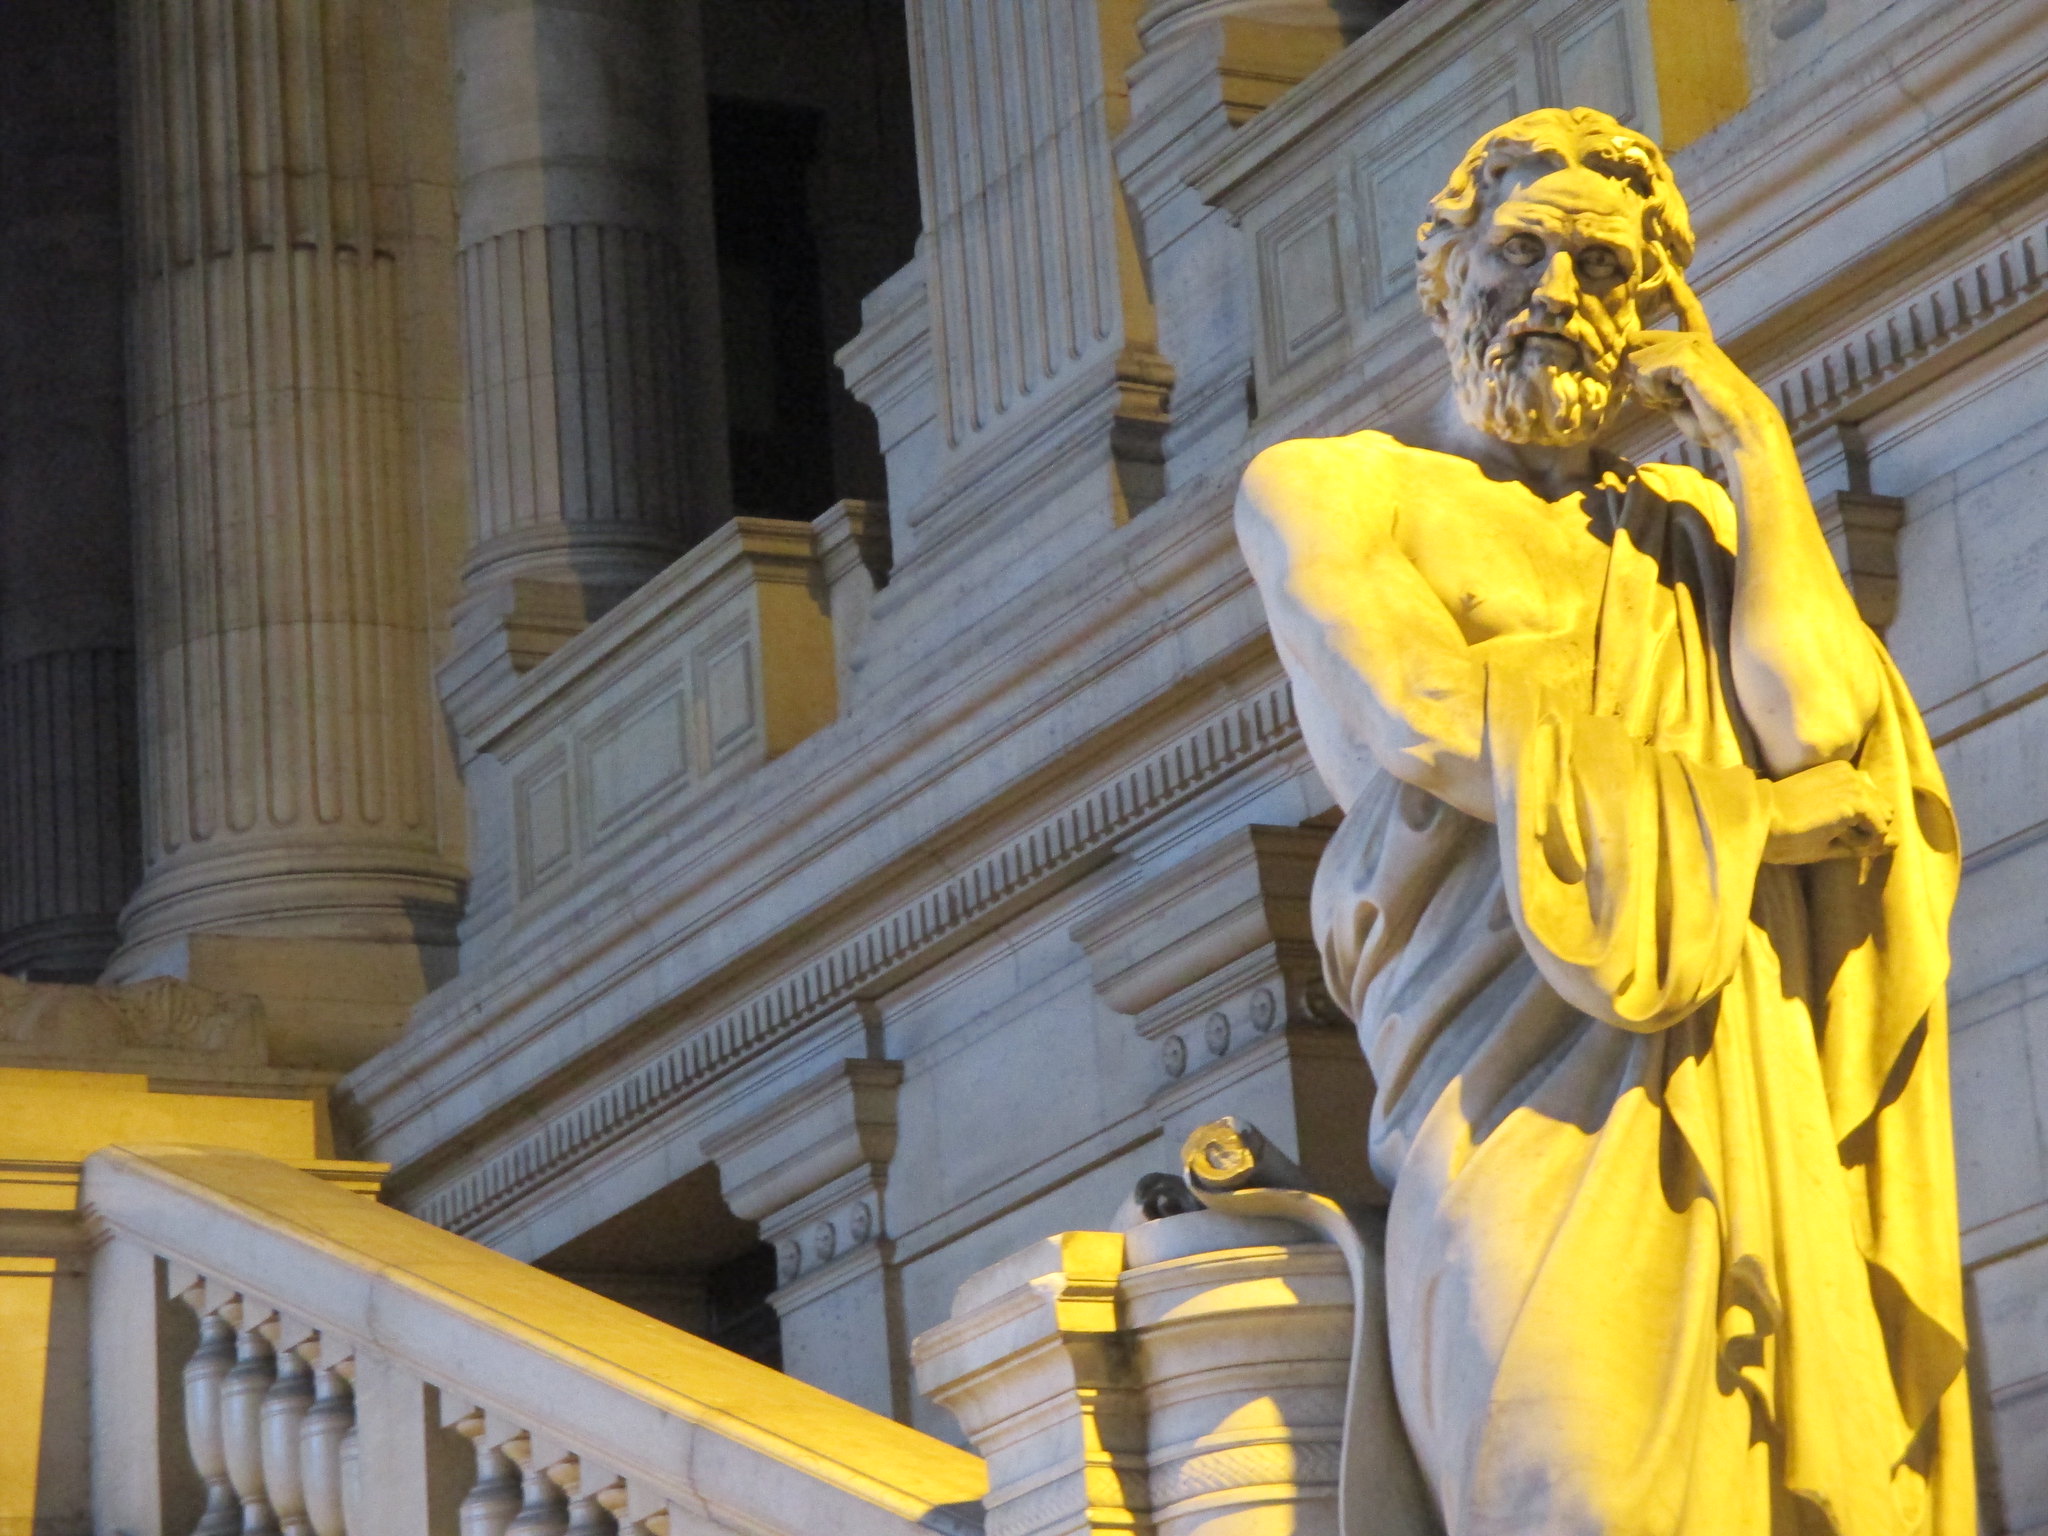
<point>1544,305</point>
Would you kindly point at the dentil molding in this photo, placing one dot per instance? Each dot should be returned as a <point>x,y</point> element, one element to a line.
<point>880,957</point>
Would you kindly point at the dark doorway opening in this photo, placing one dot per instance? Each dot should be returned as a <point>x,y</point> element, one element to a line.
<point>814,190</point>
<point>681,1256</point>
<point>777,369</point>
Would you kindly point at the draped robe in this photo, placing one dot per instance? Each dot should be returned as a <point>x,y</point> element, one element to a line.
<point>1672,1243</point>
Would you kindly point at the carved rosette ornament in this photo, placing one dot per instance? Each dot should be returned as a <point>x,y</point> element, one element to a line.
<point>1639,904</point>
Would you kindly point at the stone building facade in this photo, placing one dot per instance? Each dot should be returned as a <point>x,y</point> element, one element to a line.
<point>767,846</point>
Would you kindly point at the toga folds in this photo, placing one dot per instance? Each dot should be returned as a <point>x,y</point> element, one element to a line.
<point>1672,1242</point>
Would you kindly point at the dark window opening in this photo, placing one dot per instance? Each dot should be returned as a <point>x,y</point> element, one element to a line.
<point>813,171</point>
<point>682,1257</point>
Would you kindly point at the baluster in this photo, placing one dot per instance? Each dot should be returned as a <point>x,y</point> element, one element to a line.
<point>241,1424</point>
<point>352,1478</point>
<point>492,1501</point>
<point>542,1509</point>
<point>204,1373</point>
<point>285,1408</point>
<point>321,1432</point>
<point>612,1498</point>
<point>589,1515</point>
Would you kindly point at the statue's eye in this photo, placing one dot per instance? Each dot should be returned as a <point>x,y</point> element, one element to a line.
<point>1597,264</point>
<point>1522,250</point>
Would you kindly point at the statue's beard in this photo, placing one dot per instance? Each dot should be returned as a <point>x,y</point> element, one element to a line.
<point>1537,389</point>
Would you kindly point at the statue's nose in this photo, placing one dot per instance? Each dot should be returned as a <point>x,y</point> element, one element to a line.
<point>1559,289</point>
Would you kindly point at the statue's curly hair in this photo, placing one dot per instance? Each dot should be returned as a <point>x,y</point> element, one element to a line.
<point>1560,136</point>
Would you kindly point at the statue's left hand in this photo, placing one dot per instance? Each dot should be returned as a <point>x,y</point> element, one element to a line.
<point>1831,811</point>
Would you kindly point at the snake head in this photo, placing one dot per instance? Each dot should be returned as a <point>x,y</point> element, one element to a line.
<point>1232,1154</point>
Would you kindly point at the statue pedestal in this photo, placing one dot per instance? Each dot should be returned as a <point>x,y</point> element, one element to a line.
<point>1186,1377</point>
<point>1242,1354</point>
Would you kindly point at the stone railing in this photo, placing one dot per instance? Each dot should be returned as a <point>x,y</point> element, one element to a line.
<point>347,1369</point>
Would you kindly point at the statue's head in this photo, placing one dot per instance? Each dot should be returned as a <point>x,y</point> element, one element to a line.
<point>1555,240</point>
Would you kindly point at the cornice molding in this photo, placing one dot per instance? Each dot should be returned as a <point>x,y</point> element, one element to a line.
<point>882,956</point>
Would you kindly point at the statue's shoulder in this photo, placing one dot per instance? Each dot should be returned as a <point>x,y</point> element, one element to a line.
<point>1356,469</point>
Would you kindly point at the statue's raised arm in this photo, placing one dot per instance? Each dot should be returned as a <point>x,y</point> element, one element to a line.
<point>1640,903</point>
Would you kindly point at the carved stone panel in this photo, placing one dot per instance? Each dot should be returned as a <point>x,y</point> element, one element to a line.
<point>723,660</point>
<point>1356,151</point>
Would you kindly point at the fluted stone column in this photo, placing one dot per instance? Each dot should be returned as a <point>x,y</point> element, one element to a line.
<point>293,836</point>
<point>583,255</point>
<point>68,814</point>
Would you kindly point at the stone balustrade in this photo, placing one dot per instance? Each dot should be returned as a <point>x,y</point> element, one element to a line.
<point>722,661</point>
<point>353,1370</point>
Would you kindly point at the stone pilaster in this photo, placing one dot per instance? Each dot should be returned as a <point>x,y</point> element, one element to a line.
<point>812,1170</point>
<point>293,825</point>
<point>68,814</point>
<point>596,445</point>
<point>1042,331</point>
<point>1209,67</point>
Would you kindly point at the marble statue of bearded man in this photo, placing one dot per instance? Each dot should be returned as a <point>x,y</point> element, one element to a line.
<point>1640,904</point>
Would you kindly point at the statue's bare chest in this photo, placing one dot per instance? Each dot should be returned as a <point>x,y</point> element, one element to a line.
<point>1503,561</point>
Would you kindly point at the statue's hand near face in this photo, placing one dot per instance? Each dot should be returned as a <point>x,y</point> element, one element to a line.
<point>1686,373</point>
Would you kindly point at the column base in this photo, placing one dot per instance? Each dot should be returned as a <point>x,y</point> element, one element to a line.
<point>64,949</point>
<point>328,1004</point>
<point>337,943</point>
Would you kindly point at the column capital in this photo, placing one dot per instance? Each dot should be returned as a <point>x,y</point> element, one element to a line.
<point>811,1167</point>
<point>1247,893</point>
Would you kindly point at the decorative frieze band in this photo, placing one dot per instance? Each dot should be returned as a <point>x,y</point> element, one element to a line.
<point>880,956</point>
